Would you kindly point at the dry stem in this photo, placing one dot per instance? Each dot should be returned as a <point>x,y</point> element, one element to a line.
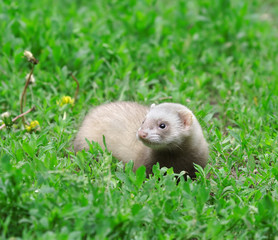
<point>77,87</point>
<point>165,98</point>
<point>24,93</point>
<point>19,116</point>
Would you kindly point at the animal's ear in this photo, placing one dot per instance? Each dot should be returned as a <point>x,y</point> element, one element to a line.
<point>186,118</point>
<point>152,106</point>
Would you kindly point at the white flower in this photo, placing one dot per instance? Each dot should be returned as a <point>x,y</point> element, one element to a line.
<point>5,115</point>
<point>28,55</point>
<point>32,79</point>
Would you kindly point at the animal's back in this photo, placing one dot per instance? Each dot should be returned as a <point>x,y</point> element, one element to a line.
<point>118,122</point>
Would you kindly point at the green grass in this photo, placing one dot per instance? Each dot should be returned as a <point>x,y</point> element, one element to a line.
<point>218,57</point>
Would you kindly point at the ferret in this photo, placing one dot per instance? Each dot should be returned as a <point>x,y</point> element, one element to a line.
<point>166,133</point>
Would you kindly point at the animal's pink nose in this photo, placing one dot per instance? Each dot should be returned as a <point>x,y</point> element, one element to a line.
<point>142,134</point>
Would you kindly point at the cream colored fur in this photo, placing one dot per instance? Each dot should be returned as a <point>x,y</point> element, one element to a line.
<point>181,144</point>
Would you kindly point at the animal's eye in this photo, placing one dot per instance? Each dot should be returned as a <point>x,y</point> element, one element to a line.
<point>162,125</point>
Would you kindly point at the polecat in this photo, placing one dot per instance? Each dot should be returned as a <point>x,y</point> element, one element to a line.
<point>167,133</point>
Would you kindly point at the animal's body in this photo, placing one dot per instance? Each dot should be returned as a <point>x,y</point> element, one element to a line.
<point>167,133</point>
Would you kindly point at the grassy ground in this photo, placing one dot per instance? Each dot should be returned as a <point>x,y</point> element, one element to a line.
<point>218,57</point>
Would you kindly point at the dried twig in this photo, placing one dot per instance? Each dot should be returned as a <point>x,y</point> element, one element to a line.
<point>77,87</point>
<point>34,62</point>
<point>165,98</point>
<point>19,116</point>
<point>23,94</point>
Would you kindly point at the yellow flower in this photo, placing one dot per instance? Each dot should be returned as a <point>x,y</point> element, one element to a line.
<point>28,128</point>
<point>66,100</point>
<point>33,125</point>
